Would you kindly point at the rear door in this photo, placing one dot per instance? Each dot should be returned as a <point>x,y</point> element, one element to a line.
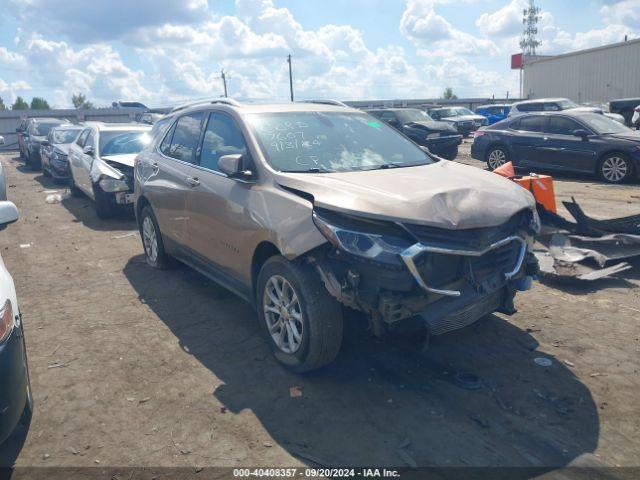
<point>527,133</point>
<point>563,150</point>
<point>219,222</point>
<point>75,155</point>
<point>173,174</point>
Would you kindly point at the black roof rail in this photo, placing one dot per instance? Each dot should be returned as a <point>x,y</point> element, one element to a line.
<point>337,103</point>
<point>226,101</point>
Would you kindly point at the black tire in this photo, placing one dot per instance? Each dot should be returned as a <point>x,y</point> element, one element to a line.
<point>160,260</point>
<point>45,171</point>
<point>615,168</point>
<point>450,153</point>
<point>496,157</point>
<point>321,315</point>
<point>105,203</point>
<point>75,191</point>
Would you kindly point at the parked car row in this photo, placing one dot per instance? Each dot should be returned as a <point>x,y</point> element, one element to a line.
<point>571,140</point>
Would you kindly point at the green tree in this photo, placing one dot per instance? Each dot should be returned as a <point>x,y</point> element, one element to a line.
<point>39,103</point>
<point>80,101</point>
<point>20,104</point>
<point>2,106</point>
<point>448,94</point>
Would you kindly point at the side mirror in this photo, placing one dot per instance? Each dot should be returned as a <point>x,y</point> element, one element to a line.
<point>88,150</point>
<point>232,166</point>
<point>8,213</point>
<point>583,134</point>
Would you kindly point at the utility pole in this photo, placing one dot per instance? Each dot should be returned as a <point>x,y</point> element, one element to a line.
<point>529,41</point>
<point>290,76</point>
<point>224,81</point>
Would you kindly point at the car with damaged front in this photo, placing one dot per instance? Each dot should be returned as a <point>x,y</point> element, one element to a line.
<point>441,138</point>
<point>101,163</point>
<point>54,151</point>
<point>302,209</point>
<point>463,119</point>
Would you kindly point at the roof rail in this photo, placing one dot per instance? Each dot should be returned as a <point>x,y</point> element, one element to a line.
<point>337,103</point>
<point>226,101</point>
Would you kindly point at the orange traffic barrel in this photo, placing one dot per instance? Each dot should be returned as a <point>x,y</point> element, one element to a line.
<point>541,186</point>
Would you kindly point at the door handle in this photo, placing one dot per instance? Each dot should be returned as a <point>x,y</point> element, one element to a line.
<point>194,182</point>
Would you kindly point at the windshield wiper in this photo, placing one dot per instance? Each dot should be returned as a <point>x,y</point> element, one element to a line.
<point>309,170</point>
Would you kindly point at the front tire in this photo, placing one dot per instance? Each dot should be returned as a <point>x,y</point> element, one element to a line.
<point>615,168</point>
<point>75,191</point>
<point>497,157</point>
<point>302,322</point>
<point>104,203</point>
<point>152,240</point>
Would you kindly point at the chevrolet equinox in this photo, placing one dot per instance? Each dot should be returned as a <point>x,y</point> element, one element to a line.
<point>304,208</point>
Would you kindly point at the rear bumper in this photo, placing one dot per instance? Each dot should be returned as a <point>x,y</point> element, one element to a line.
<point>14,382</point>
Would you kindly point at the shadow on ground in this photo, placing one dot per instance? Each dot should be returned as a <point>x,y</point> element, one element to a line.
<point>382,403</point>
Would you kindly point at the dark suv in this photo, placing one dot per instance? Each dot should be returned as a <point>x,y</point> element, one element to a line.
<point>441,138</point>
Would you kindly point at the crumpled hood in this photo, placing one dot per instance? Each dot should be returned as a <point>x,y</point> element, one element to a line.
<point>464,118</point>
<point>63,148</point>
<point>444,194</point>
<point>125,159</point>
<point>434,126</point>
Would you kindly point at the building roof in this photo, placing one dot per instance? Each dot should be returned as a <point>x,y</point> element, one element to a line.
<point>582,52</point>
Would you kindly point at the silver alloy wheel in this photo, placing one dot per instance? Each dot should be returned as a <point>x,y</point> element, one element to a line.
<point>150,238</point>
<point>614,169</point>
<point>283,314</point>
<point>497,158</point>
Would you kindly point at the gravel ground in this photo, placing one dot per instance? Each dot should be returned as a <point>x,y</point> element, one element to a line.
<point>135,367</point>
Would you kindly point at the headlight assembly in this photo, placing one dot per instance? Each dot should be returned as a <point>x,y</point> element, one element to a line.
<point>113,185</point>
<point>379,247</point>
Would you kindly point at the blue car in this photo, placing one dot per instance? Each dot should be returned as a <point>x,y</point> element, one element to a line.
<point>568,141</point>
<point>494,113</point>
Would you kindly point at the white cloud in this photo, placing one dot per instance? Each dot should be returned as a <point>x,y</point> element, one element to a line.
<point>503,22</point>
<point>625,12</point>
<point>431,32</point>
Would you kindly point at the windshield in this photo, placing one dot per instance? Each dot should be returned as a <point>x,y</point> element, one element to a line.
<point>65,136</point>
<point>604,125</point>
<point>42,129</point>
<point>413,115</point>
<point>122,142</point>
<point>332,142</point>
<point>454,112</point>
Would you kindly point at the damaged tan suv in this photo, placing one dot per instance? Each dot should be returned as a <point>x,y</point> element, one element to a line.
<point>304,208</point>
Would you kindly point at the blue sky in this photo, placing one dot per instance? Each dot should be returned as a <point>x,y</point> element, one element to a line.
<point>168,52</point>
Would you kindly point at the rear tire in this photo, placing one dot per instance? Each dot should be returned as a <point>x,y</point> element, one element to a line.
<point>496,157</point>
<point>615,168</point>
<point>302,322</point>
<point>152,243</point>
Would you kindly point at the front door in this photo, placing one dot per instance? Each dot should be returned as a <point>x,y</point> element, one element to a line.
<point>562,149</point>
<point>83,180</point>
<point>219,223</point>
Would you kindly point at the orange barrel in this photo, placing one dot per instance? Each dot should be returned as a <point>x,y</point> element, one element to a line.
<point>541,186</point>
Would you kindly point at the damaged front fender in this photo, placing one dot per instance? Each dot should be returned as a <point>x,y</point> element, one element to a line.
<point>101,169</point>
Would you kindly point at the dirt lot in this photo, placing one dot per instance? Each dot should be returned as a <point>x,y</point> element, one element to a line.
<point>132,366</point>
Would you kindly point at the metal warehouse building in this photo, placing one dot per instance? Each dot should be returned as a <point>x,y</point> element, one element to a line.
<point>594,75</point>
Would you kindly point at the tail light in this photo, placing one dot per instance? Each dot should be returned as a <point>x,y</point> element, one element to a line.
<point>478,133</point>
<point>6,321</point>
<point>637,109</point>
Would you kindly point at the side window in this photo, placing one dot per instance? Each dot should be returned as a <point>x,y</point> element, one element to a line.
<point>186,135</point>
<point>531,124</point>
<point>91,139</point>
<point>165,146</point>
<point>221,137</point>
<point>387,116</point>
<point>551,107</point>
<point>562,126</point>
<point>82,138</point>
